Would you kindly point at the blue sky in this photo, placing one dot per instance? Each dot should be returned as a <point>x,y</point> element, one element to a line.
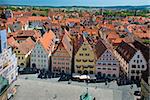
<point>77,2</point>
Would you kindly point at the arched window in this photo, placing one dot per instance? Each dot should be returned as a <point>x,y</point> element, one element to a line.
<point>85,72</point>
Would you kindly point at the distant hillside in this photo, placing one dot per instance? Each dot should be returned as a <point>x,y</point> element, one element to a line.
<point>88,7</point>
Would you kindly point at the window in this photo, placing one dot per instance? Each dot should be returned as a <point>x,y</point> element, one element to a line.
<point>18,57</point>
<point>108,75</point>
<point>138,72</point>
<point>114,68</point>
<point>114,63</point>
<point>104,68</point>
<point>109,63</point>
<point>137,61</point>
<point>59,63</point>
<point>18,51</point>
<point>132,71</point>
<point>132,77</point>
<point>142,66</point>
<point>114,75</point>
<point>84,49</point>
<point>133,66</point>
<point>87,54</point>
<point>84,60</point>
<point>78,60</point>
<point>91,60</point>
<point>138,66</point>
<point>138,56</point>
<point>78,66</point>
<point>91,72</point>
<point>79,72</point>
<point>140,60</point>
<point>104,75</point>
<point>81,54</point>
<point>134,60</point>
<point>109,68</point>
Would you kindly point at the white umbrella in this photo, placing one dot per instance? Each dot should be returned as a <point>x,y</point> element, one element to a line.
<point>82,77</point>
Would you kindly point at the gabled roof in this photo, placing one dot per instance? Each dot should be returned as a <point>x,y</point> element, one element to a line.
<point>78,43</point>
<point>47,40</point>
<point>126,51</point>
<point>66,41</point>
<point>100,48</point>
<point>26,45</point>
<point>144,49</point>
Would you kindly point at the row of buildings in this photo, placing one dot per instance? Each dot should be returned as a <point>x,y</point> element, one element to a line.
<point>84,44</point>
<point>77,42</point>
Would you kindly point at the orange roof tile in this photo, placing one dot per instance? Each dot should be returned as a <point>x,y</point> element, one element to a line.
<point>12,42</point>
<point>47,40</point>
<point>26,46</point>
<point>112,35</point>
<point>118,40</point>
<point>37,18</point>
<point>72,20</point>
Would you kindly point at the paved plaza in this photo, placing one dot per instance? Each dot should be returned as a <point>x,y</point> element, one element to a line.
<point>50,89</point>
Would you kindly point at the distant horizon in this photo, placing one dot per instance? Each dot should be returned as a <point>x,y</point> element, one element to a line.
<point>72,5</point>
<point>88,3</point>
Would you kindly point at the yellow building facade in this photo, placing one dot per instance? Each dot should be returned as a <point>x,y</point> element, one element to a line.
<point>85,60</point>
<point>23,59</point>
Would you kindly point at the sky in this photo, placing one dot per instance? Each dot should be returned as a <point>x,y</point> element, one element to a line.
<point>77,2</point>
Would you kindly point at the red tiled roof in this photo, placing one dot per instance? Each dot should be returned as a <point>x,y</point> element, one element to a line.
<point>26,45</point>
<point>47,40</point>
<point>12,42</point>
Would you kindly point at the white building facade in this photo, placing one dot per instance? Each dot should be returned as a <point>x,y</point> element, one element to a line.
<point>136,65</point>
<point>131,60</point>
<point>107,65</point>
<point>39,57</point>
<point>8,60</point>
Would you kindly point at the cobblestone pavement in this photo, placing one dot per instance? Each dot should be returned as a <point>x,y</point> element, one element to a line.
<point>50,89</point>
